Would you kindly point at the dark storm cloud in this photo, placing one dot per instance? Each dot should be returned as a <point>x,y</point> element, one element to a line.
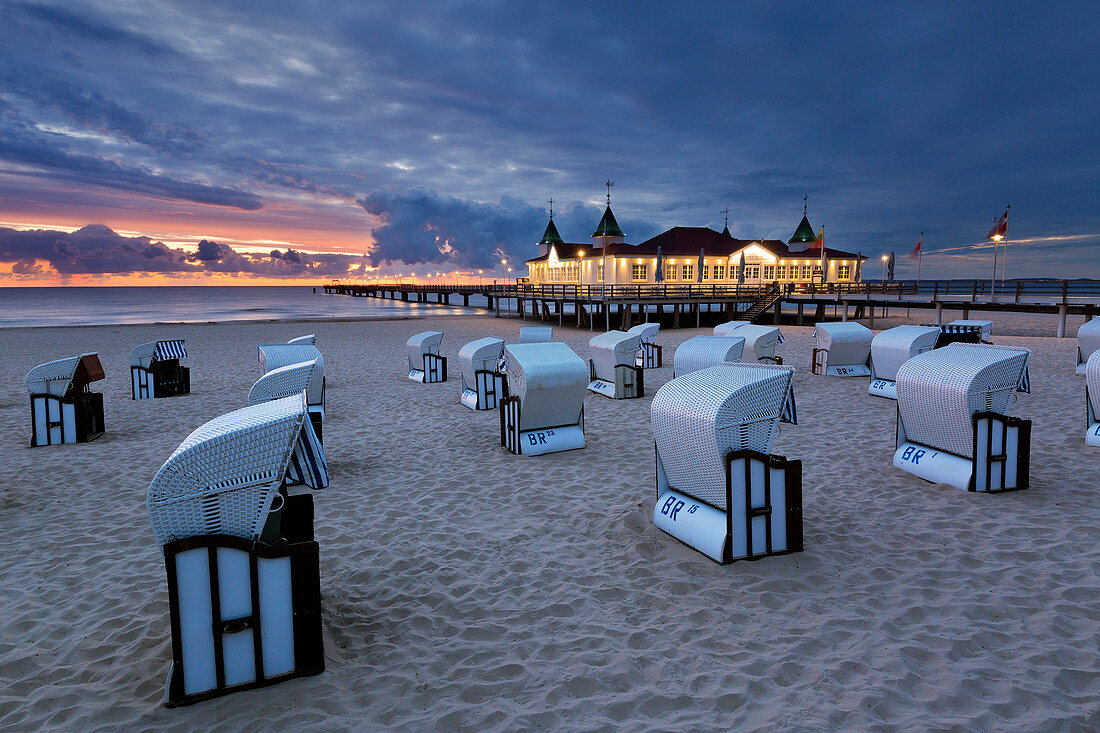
<point>420,226</point>
<point>98,250</point>
<point>894,119</point>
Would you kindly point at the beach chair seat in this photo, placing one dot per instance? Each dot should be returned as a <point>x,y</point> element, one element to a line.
<point>649,355</point>
<point>760,341</point>
<point>1092,400</point>
<point>63,407</point>
<point>155,370</point>
<point>985,328</point>
<point>276,356</point>
<point>1088,342</point>
<point>843,350</point>
<point>953,333</point>
<point>292,379</point>
<point>482,383</point>
<point>536,334</point>
<point>719,488</point>
<point>240,556</point>
<point>544,410</point>
<point>953,425</point>
<point>425,364</point>
<point>892,348</point>
<point>612,368</point>
<point>307,340</point>
<point>700,352</point>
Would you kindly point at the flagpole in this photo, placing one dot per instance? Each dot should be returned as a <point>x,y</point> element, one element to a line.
<point>920,254</point>
<point>1004,258</point>
<point>993,280</point>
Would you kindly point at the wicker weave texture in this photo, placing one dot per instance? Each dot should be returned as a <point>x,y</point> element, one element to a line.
<point>760,341</point>
<point>1092,379</point>
<point>611,348</point>
<point>224,476</point>
<point>55,377</point>
<point>307,340</point>
<point>273,356</point>
<point>426,342</point>
<point>699,417</point>
<point>895,346</point>
<point>646,331</point>
<point>847,343</point>
<point>1088,338</point>
<point>480,354</point>
<point>939,392</point>
<point>142,354</point>
<point>536,334</point>
<point>286,381</point>
<point>701,352</point>
<point>550,381</point>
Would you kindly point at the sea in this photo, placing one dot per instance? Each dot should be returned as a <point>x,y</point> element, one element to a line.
<point>95,306</point>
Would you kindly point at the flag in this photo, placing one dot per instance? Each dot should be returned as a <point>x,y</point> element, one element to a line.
<point>1000,226</point>
<point>915,254</point>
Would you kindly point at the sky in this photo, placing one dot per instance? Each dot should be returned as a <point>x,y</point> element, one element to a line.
<point>156,142</point>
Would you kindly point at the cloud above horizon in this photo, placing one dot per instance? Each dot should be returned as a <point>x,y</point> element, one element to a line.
<point>440,131</point>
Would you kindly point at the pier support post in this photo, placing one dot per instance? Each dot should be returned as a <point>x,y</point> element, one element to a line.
<point>676,315</point>
<point>1062,321</point>
<point>697,308</point>
<point>844,318</point>
<point>801,307</point>
<point>607,316</point>
<point>871,319</point>
<point>939,314</point>
<point>465,301</point>
<point>966,313</point>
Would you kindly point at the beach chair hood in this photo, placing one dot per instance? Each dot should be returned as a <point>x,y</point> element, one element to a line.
<point>224,477</point>
<point>479,355</point>
<point>307,340</point>
<point>895,346</point>
<point>423,343</point>
<point>144,355</point>
<point>58,377</point>
<point>285,381</point>
<point>273,356</point>
<point>1088,340</point>
<point>701,352</point>
<point>550,381</point>
<point>646,331</point>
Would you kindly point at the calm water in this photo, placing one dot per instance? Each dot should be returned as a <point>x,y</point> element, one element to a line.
<point>22,307</point>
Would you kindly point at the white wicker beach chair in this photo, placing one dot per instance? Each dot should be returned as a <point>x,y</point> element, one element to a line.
<point>843,350</point>
<point>482,384</point>
<point>536,334</point>
<point>307,340</point>
<point>700,352</point>
<point>892,348</point>
<point>1092,399</point>
<point>425,363</point>
<point>953,424</point>
<point>719,489</point>
<point>985,326</point>
<point>760,341</point>
<point>274,356</point>
<point>544,409</point>
<point>155,370</point>
<point>612,369</point>
<point>63,408</point>
<point>649,355</point>
<point>288,380</point>
<point>1088,342</point>
<point>241,562</point>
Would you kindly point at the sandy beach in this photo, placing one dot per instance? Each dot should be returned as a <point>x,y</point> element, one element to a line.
<point>464,588</point>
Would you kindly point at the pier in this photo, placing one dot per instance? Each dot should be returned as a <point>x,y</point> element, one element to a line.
<point>622,305</point>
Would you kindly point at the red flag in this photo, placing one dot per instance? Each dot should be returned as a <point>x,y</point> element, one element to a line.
<point>915,254</point>
<point>1000,228</point>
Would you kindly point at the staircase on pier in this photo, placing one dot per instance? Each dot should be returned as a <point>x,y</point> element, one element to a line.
<point>767,299</point>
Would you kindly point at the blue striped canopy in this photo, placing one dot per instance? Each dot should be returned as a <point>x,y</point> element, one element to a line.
<point>170,350</point>
<point>954,328</point>
<point>790,412</point>
<point>307,463</point>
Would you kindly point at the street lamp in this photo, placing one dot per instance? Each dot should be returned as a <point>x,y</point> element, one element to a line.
<point>503,277</point>
<point>884,259</point>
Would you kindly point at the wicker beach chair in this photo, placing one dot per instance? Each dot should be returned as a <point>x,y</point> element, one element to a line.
<point>242,566</point>
<point>700,352</point>
<point>843,350</point>
<point>1088,342</point>
<point>544,409</point>
<point>612,367</point>
<point>482,383</point>
<point>536,334</point>
<point>649,355</point>
<point>892,348</point>
<point>951,333</point>
<point>1092,400</point>
<point>155,370</point>
<point>276,356</point>
<point>288,380</point>
<point>63,408</point>
<point>953,425</point>
<point>719,488</point>
<point>985,328</point>
<point>425,363</point>
<point>307,340</point>
<point>760,341</point>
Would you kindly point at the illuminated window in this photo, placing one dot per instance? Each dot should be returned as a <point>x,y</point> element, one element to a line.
<point>599,273</point>
<point>639,273</point>
<point>769,272</point>
<point>752,272</point>
<point>844,272</point>
<point>719,272</point>
<point>670,271</point>
<point>806,270</point>
<point>706,272</point>
<point>780,272</point>
<point>687,273</point>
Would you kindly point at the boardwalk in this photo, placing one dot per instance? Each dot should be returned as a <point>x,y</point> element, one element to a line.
<point>621,305</point>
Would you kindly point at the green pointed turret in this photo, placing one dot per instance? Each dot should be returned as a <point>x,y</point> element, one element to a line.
<point>608,226</point>
<point>804,232</point>
<point>551,236</point>
<point>726,232</point>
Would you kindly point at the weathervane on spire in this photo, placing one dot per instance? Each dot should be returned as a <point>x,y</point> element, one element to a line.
<point>803,204</point>
<point>551,202</point>
<point>726,211</point>
<point>609,183</point>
